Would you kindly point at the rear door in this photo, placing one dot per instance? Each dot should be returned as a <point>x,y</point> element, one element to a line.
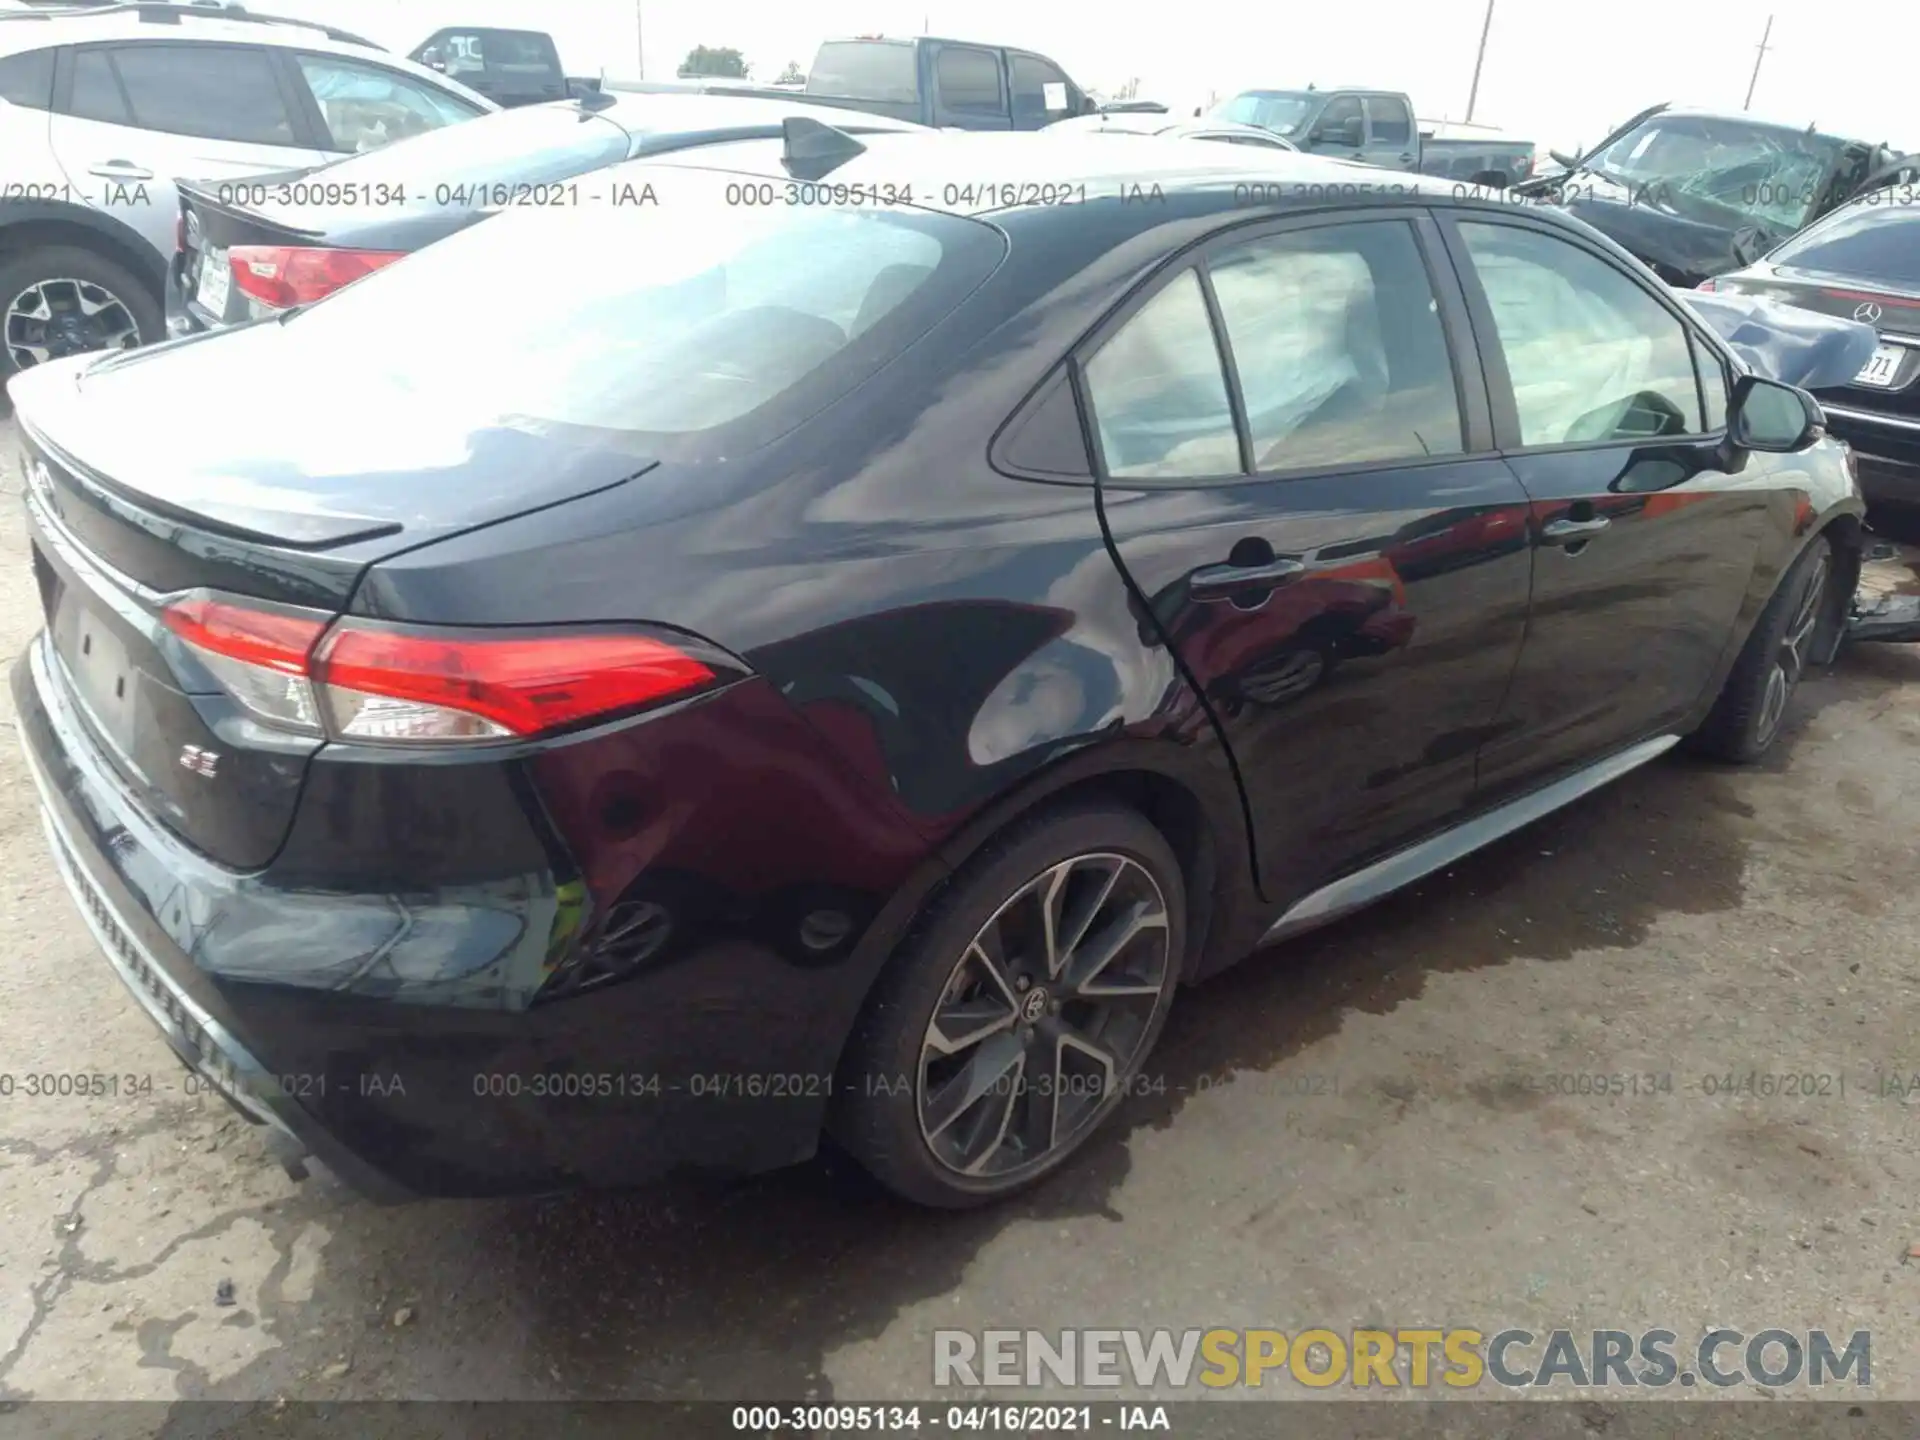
<point>1390,138</point>
<point>1296,470</point>
<point>129,118</point>
<point>970,88</point>
<point>1611,407</point>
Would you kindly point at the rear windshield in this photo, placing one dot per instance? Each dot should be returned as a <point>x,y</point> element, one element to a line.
<point>866,70</point>
<point>1269,109</point>
<point>1875,238</point>
<point>657,323</point>
<point>536,144</point>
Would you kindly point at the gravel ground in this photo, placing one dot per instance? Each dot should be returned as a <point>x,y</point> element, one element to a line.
<point>1356,1129</point>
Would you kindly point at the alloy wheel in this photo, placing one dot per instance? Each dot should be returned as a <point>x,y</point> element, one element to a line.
<point>1790,656</point>
<point>1044,1016</point>
<point>55,318</point>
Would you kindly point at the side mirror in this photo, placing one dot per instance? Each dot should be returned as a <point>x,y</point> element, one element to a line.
<point>1771,417</point>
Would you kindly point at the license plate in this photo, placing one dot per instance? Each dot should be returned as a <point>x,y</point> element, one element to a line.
<point>101,671</point>
<point>1881,369</point>
<point>216,283</point>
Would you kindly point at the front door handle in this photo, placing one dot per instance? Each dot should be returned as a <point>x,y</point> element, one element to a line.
<point>119,170</point>
<point>1406,159</point>
<point>1567,532</point>
<point>1211,584</point>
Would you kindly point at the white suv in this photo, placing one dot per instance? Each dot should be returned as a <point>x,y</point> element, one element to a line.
<point>102,109</point>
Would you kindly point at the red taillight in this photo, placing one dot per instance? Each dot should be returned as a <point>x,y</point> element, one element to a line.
<point>283,276</point>
<point>425,685</point>
<point>513,686</point>
<point>1708,285</point>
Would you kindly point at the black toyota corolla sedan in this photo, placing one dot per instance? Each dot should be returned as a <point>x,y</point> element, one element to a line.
<point>839,663</point>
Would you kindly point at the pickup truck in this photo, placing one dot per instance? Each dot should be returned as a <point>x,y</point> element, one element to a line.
<point>509,67</point>
<point>1377,127</point>
<point>952,84</point>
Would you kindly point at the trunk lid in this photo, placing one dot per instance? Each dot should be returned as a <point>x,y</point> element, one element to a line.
<point>1887,381</point>
<point>148,479</point>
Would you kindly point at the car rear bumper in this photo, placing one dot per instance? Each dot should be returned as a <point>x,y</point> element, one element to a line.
<point>719,1060</point>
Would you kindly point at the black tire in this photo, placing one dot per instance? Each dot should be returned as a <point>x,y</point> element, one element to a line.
<point>893,1080</point>
<point>1746,717</point>
<point>21,271</point>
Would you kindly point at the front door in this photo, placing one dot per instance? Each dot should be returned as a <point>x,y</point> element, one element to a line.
<point>1390,140</point>
<point>1611,407</point>
<point>1297,477</point>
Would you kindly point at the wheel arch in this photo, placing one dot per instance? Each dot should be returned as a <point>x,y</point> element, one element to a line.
<point>24,224</point>
<point>1200,820</point>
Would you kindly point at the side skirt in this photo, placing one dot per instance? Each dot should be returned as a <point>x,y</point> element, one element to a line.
<point>1403,867</point>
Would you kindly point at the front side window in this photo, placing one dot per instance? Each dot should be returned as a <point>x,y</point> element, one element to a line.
<point>969,79</point>
<point>1340,121</point>
<point>884,70</point>
<point>216,92</point>
<point>368,106</point>
<point>1159,394</point>
<point>1592,356</point>
<point>1338,346</point>
<point>1039,89</point>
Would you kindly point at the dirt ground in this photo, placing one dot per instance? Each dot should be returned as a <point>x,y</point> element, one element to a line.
<point>1355,1130</point>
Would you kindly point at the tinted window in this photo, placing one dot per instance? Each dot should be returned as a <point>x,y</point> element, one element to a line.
<point>1031,97</point>
<point>1875,238</point>
<point>27,79</point>
<point>1338,347</point>
<point>218,92</point>
<point>969,79</point>
<point>1338,115</point>
<point>96,90</point>
<point>368,106</point>
<point>720,314</point>
<point>1713,383</point>
<point>1592,356</point>
<point>866,70</point>
<point>1389,121</point>
<point>1159,395</point>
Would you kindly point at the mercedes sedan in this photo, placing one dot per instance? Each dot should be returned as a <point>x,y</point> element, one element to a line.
<point>850,653</point>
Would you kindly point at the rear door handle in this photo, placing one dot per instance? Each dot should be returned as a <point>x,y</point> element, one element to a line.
<point>119,170</point>
<point>1211,584</point>
<point>1566,532</point>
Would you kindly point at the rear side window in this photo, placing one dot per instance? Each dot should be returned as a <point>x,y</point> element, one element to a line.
<point>969,79</point>
<point>1159,394</point>
<point>1389,120</point>
<point>724,319</point>
<point>1875,239</point>
<point>26,79</point>
<point>96,90</point>
<point>1040,89</point>
<point>368,106</point>
<point>1338,347</point>
<point>1592,356</point>
<point>871,70</point>
<point>216,92</point>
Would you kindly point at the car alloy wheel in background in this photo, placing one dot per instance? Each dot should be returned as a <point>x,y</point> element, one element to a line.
<point>62,316</point>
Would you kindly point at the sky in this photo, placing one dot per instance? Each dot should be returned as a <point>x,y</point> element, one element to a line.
<point>1557,73</point>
